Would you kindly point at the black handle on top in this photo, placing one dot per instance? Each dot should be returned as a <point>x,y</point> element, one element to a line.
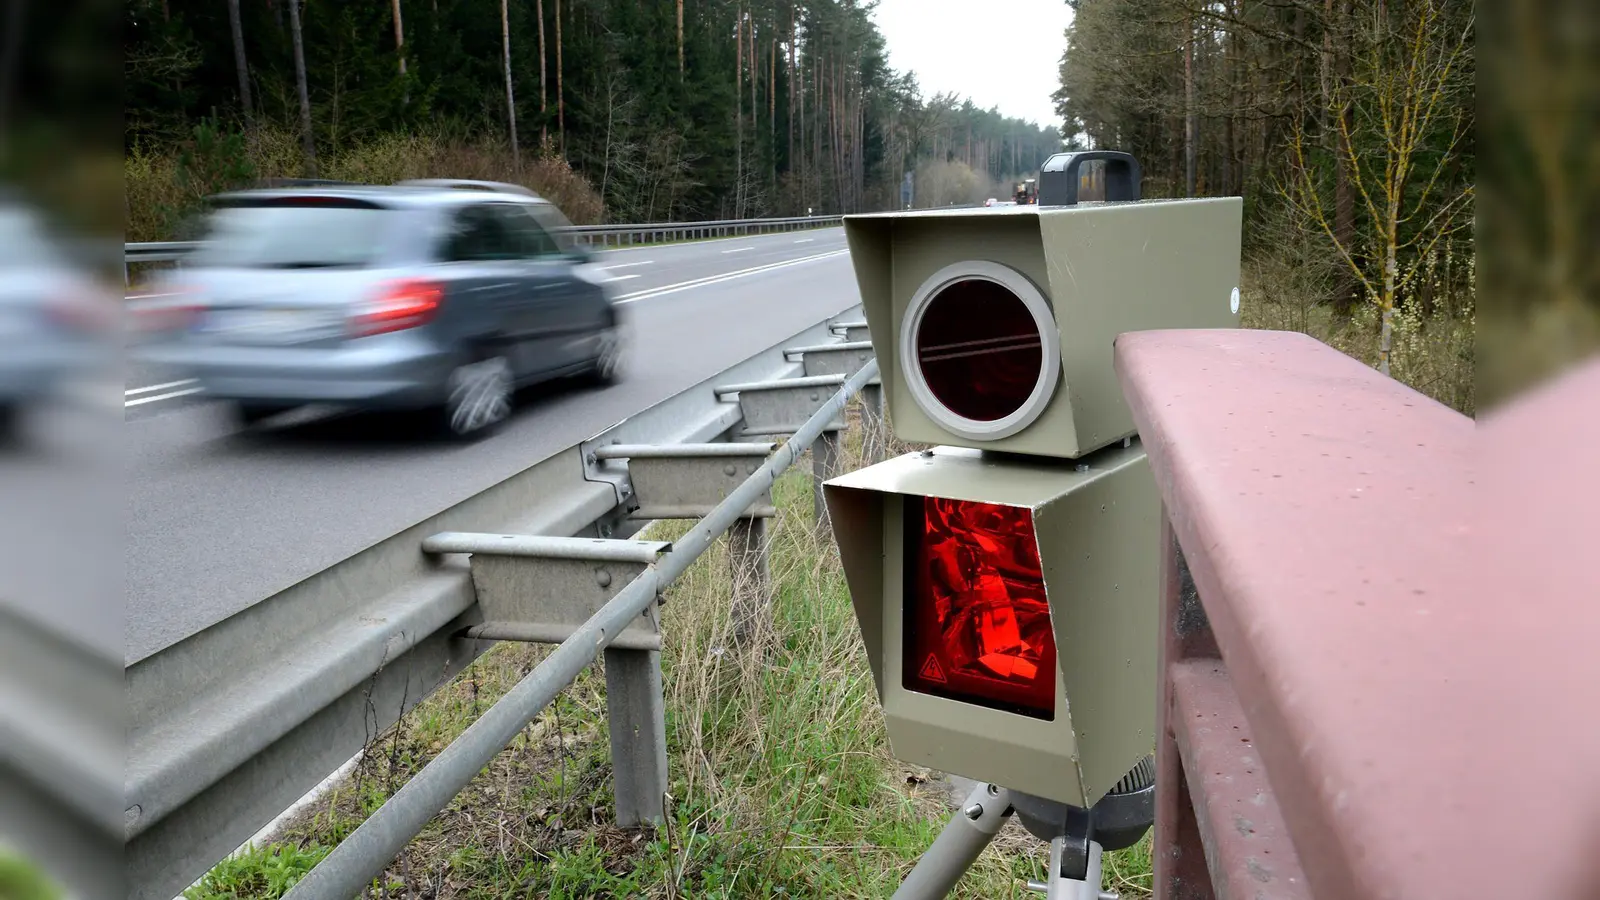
<point>1058,177</point>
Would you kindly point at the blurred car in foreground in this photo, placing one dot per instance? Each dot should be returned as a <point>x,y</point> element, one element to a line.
<point>55,320</point>
<point>418,296</point>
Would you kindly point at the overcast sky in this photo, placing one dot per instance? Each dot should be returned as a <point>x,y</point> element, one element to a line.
<point>1001,53</point>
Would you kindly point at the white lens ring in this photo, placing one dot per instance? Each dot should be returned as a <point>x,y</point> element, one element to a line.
<point>1049,363</point>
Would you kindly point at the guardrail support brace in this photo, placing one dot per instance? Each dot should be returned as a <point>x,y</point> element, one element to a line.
<point>636,709</point>
<point>781,407</point>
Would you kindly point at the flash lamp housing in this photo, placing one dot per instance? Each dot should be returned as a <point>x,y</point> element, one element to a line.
<point>1039,613</point>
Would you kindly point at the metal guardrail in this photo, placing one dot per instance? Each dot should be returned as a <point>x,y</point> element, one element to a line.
<point>231,725</point>
<point>369,849</point>
<point>588,235</point>
<point>1378,627</point>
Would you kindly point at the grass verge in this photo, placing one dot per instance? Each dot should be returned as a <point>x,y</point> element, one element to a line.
<point>781,780</point>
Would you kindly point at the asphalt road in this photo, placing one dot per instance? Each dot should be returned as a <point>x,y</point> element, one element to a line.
<point>217,520</point>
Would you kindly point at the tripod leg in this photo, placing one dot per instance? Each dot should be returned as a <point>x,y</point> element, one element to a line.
<point>1062,888</point>
<point>958,845</point>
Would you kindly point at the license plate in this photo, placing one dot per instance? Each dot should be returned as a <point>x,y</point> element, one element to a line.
<point>260,323</point>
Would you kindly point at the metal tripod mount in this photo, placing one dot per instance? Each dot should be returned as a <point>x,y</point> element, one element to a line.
<point>1078,837</point>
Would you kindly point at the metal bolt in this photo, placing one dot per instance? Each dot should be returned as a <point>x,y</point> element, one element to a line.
<point>593,459</point>
<point>815,395</point>
<point>974,811</point>
<point>1127,442</point>
<point>730,469</point>
<point>994,790</point>
<point>927,454</point>
<point>1083,467</point>
<point>602,578</point>
<point>1038,887</point>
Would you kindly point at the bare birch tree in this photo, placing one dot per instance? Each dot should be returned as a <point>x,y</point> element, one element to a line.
<point>1404,91</point>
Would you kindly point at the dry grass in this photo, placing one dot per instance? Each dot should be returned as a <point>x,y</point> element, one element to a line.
<point>1433,352</point>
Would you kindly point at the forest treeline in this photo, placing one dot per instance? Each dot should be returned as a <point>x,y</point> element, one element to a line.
<point>621,110</point>
<point>1346,125</point>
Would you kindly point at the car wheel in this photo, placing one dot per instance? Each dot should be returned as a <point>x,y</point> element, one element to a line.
<point>478,397</point>
<point>611,356</point>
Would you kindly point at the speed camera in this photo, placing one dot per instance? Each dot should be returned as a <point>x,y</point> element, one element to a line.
<point>993,328</point>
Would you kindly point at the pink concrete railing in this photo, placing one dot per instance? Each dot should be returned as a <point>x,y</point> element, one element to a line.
<point>1381,628</point>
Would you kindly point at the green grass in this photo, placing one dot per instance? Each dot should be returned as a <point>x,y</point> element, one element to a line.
<point>258,872</point>
<point>781,780</point>
<point>21,879</point>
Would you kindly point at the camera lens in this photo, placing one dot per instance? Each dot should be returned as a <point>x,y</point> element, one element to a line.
<point>979,349</point>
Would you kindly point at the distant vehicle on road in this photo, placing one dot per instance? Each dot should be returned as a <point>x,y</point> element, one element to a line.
<point>1027,192</point>
<point>55,321</point>
<point>417,296</point>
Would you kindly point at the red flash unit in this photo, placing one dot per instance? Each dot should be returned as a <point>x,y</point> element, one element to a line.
<point>977,622</point>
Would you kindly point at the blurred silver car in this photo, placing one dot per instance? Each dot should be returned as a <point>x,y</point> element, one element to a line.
<point>413,296</point>
<point>55,320</point>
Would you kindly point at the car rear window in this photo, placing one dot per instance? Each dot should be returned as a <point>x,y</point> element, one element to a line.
<point>296,233</point>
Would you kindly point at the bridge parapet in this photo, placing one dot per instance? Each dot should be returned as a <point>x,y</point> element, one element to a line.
<point>1379,678</point>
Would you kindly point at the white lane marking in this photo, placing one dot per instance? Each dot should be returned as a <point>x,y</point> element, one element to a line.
<point>622,277</point>
<point>642,262</point>
<point>716,279</point>
<point>737,250</point>
<point>158,397</point>
<point>157,387</point>
<point>805,240</point>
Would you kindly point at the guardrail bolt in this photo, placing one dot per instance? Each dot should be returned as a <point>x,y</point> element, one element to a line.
<point>602,578</point>
<point>730,469</point>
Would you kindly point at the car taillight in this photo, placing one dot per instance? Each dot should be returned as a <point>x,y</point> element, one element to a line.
<point>977,621</point>
<point>80,311</point>
<point>400,305</point>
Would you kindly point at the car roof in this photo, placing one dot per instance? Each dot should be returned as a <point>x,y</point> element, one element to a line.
<point>421,194</point>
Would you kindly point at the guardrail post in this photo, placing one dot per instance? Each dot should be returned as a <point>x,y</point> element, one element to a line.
<point>824,465</point>
<point>873,428</point>
<point>752,578</point>
<point>636,710</point>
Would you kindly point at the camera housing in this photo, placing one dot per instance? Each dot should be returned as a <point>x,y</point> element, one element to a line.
<point>993,327</point>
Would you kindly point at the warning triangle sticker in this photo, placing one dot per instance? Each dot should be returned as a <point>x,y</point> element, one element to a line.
<point>932,671</point>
